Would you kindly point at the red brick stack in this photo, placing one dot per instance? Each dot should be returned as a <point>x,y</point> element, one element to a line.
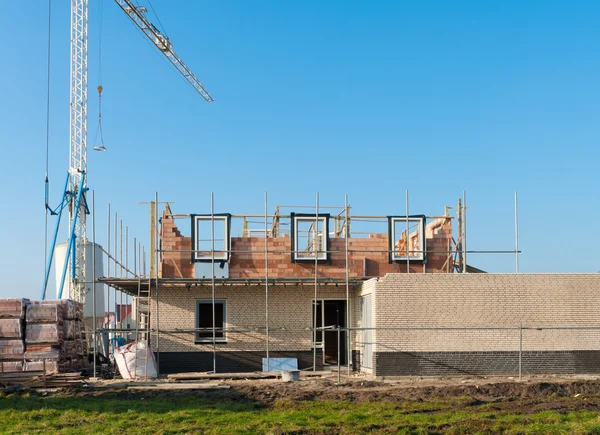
<point>12,345</point>
<point>53,336</point>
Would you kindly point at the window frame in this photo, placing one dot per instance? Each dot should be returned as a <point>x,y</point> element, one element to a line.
<point>422,256</point>
<point>225,218</point>
<point>322,257</point>
<point>203,340</point>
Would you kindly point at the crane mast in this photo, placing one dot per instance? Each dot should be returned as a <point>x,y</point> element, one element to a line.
<point>74,195</point>
<point>78,143</point>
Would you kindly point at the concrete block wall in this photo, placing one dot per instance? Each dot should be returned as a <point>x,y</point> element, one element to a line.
<point>252,264</point>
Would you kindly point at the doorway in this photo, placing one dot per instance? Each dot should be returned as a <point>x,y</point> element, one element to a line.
<point>366,342</point>
<point>331,313</point>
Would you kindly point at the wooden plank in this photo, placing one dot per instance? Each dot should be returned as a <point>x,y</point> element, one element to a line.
<point>178,387</point>
<point>192,376</point>
<point>250,375</point>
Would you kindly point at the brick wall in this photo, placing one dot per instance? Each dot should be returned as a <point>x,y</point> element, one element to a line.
<point>290,316</point>
<point>486,300</point>
<point>415,301</point>
<point>175,264</point>
<point>252,264</point>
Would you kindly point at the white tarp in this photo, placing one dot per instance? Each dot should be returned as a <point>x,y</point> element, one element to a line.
<point>136,360</point>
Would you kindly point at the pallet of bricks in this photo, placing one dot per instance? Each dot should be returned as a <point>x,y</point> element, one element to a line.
<point>12,344</point>
<point>53,337</point>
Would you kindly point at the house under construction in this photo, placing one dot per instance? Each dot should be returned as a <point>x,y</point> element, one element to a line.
<point>307,286</point>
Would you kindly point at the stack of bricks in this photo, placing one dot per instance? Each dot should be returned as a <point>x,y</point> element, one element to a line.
<point>12,345</point>
<point>53,337</point>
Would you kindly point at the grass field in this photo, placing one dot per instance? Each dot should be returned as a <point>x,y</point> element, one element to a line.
<point>203,412</point>
<point>31,414</point>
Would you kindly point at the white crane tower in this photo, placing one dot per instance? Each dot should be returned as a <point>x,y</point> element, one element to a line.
<point>74,196</point>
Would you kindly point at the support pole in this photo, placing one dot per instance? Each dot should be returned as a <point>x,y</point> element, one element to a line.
<point>521,353</point>
<point>464,232</point>
<point>407,236</point>
<point>153,247</point>
<point>315,233</point>
<point>212,276</point>
<point>459,243</point>
<point>126,252</point>
<point>94,275</point>
<point>116,252</point>
<point>516,234</point>
<point>120,251</point>
<point>267,283</point>
<point>155,254</point>
<point>348,323</point>
<point>338,354</point>
<point>116,227</point>
<point>126,273</point>
<point>108,262</point>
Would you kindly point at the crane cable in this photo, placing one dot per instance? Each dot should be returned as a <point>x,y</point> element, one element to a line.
<point>159,22</point>
<point>47,182</point>
<point>99,88</point>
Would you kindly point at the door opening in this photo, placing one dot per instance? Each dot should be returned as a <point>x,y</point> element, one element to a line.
<point>331,313</point>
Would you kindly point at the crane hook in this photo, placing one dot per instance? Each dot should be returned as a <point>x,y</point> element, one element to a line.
<point>99,130</point>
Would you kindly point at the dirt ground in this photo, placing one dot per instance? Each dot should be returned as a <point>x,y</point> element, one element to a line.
<point>531,395</point>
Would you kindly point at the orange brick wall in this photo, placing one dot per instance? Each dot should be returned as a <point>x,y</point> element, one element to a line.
<point>252,264</point>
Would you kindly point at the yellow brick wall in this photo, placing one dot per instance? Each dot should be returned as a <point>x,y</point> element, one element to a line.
<point>290,316</point>
<point>487,300</point>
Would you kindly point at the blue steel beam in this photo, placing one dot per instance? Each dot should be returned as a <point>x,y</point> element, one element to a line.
<point>51,256</point>
<point>80,193</point>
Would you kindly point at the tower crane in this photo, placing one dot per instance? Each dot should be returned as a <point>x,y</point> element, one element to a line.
<point>74,195</point>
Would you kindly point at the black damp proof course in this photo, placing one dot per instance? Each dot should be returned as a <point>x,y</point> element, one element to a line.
<point>391,239</point>
<point>195,241</point>
<point>293,217</point>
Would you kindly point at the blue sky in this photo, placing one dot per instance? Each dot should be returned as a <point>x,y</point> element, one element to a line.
<point>339,97</point>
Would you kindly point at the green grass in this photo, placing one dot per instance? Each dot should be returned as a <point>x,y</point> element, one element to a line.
<point>168,415</point>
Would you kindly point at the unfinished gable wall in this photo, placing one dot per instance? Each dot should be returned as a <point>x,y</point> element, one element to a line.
<point>361,263</point>
<point>175,264</point>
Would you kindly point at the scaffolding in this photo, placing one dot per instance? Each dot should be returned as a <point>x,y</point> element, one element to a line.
<point>141,287</point>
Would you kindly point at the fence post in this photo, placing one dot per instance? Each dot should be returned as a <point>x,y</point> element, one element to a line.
<point>520,353</point>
